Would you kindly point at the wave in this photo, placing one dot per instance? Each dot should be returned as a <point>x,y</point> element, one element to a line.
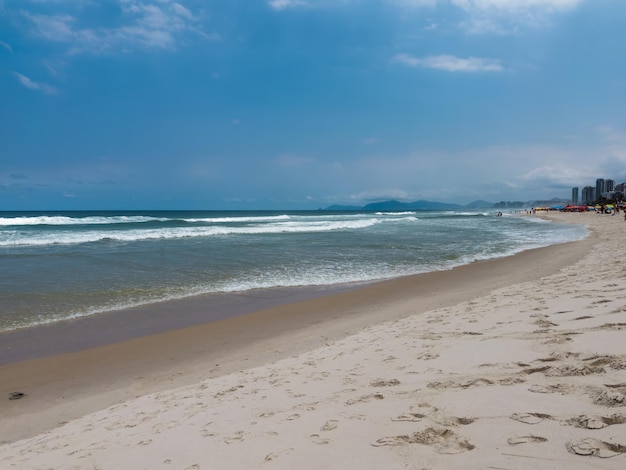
<point>226,220</point>
<point>468,214</point>
<point>13,238</point>
<point>126,219</point>
<point>64,220</point>
<point>61,220</point>
<point>396,213</point>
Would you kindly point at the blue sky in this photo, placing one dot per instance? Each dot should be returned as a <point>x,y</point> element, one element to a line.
<point>299,104</point>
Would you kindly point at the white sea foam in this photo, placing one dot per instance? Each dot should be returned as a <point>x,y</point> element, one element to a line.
<point>15,238</point>
<point>242,219</point>
<point>468,214</point>
<point>64,220</point>
<point>59,220</point>
<point>396,213</point>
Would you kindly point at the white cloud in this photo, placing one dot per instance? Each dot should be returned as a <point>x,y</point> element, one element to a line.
<point>182,11</point>
<point>37,86</point>
<point>431,26</point>
<point>611,134</point>
<point>516,5</point>
<point>507,16</point>
<point>552,176</point>
<point>488,26</point>
<point>497,17</point>
<point>284,4</point>
<point>450,63</point>
<point>7,46</point>
<point>280,5</point>
<point>55,68</point>
<point>382,195</point>
<point>53,27</point>
<point>414,3</point>
<point>494,173</point>
<point>142,24</point>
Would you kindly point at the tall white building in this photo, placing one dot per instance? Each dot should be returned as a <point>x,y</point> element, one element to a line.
<point>589,195</point>
<point>599,187</point>
<point>609,186</point>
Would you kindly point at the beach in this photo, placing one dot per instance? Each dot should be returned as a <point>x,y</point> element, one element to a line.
<point>512,363</point>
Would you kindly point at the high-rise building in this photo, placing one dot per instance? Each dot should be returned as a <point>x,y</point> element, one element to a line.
<point>609,185</point>
<point>574,196</point>
<point>599,187</point>
<point>589,195</point>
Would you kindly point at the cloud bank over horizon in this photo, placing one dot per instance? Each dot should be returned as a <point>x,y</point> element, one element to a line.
<point>307,103</point>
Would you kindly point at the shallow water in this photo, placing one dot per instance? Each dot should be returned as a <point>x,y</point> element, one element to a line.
<point>56,266</point>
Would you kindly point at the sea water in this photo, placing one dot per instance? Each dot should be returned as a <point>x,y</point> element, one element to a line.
<point>63,265</point>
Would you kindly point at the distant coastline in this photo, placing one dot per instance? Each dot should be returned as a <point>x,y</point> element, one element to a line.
<point>422,205</point>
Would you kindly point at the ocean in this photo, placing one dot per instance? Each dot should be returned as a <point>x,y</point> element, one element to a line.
<point>56,266</point>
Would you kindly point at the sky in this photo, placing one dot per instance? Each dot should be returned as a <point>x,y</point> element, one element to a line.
<point>300,104</point>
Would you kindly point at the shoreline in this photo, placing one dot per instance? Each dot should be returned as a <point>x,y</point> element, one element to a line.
<point>116,326</point>
<point>512,364</point>
<point>129,323</point>
<point>66,386</point>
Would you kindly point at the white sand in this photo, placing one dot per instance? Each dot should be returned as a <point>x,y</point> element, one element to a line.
<point>531,376</point>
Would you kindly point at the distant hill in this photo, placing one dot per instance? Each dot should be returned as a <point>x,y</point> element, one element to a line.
<point>420,205</point>
<point>338,207</point>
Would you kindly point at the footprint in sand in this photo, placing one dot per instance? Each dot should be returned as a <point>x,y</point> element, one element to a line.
<point>319,440</point>
<point>597,422</point>
<point>464,420</point>
<point>442,441</point>
<point>595,448</point>
<point>426,356</point>
<point>534,370</point>
<point>414,417</point>
<point>598,361</point>
<point>573,370</point>
<point>385,383</point>
<point>330,425</point>
<point>530,418</point>
<point>206,433</point>
<point>538,388</point>
<point>452,384</point>
<point>614,397</point>
<point>238,437</point>
<point>525,439</point>
<point>365,398</point>
<point>274,455</point>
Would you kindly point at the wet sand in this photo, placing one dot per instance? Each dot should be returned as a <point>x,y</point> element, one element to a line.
<point>438,349</point>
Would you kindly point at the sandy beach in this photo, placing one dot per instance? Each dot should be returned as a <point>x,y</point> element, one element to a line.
<point>509,364</point>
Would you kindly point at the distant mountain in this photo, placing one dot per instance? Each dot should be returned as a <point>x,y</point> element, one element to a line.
<point>420,205</point>
<point>339,207</point>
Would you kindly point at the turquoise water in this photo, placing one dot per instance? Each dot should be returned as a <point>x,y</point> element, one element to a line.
<point>56,266</point>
